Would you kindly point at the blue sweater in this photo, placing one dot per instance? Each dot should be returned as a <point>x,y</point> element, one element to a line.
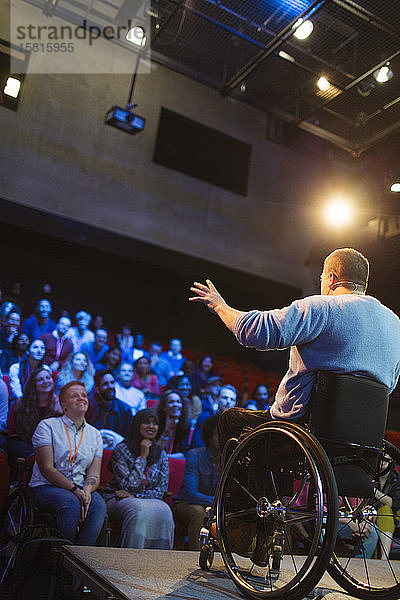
<point>348,333</point>
<point>200,479</point>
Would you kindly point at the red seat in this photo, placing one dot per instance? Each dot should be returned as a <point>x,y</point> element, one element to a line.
<point>105,473</point>
<point>6,380</point>
<point>176,473</point>
<point>393,437</point>
<point>10,422</point>
<point>151,402</point>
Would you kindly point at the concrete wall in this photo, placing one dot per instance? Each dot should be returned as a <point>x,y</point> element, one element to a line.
<point>57,155</point>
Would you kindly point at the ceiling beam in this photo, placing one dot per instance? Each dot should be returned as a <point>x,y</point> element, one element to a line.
<point>367,16</point>
<point>269,49</point>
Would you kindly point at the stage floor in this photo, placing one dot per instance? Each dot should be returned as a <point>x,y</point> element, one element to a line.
<point>159,574</point>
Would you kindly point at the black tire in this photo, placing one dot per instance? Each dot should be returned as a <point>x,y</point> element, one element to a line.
<point>361,577</point>
<point>17,518</point>
<point>278,481</point>
<point>206,557</point>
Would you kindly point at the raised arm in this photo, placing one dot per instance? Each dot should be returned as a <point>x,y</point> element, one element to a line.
<point>209,295</point>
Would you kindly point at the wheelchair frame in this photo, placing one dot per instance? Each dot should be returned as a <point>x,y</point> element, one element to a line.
<point>278,513</point>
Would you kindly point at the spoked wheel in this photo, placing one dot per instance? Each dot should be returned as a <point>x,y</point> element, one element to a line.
<point>16,521</point>
<point>366,561</point>
<point>277,513</point>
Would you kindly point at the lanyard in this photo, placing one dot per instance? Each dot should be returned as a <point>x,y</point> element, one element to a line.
<point>144,481</point>
<point>72,458</point>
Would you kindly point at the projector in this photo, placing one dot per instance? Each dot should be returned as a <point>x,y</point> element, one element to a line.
<point>124,119</point>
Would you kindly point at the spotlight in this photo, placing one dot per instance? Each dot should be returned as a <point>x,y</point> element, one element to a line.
<point>12,87</point>
<point>136,36</point>
<point>395,187</point>
<point>323,84</point>
<point>383,74</point>
<point>338,212</point>
<point>303,29</point>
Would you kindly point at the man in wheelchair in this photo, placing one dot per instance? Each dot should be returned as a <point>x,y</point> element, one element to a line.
<point>344,360</point>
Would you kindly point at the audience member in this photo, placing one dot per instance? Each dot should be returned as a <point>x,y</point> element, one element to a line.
<point>19,372</point>
<point>210,399</point>
<point>38,402</point>
<point>14,354</point>
<point>111,361</point>
<point>125,342</point>
<point>203,371</point>
<point>259,398</point>
<point>227,397</point>
<point>9,329</point>
<point>97,350</point>
<point>126,392</point>
<point>106,411</point>
<point>199,484</point>
<point>138,350</point>
<point>183,384</point>
<point>174,357</point>
<point>40,322</point>
<point>98,322</point>
<point>5,310</point>
<point>77,367</point>
<point>58,345</point>
<point>143,379</point>
<point>67,470</point>
<point>81,334</point>
<point>174,423</point>
<point>135,493</point>
<point>158,365</point>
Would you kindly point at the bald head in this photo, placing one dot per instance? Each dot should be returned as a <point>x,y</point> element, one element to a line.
<point>349,267</point>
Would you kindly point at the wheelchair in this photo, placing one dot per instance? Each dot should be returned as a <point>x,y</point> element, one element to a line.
<point>295,501</point>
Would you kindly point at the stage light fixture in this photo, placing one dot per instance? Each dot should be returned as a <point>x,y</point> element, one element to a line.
<point>323,84</point>
<point>303,29</point>
<point>12,87</point>
<point>136,36</point>
<point>338,212</point>
<point>383,74</point>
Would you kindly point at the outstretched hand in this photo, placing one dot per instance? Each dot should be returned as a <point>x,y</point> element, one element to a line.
<point>207,294</point>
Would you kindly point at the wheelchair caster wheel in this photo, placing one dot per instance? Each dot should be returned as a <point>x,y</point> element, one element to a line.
<point>206,557</point>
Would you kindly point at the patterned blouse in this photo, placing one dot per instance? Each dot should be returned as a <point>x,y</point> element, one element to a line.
<point>135,476</point>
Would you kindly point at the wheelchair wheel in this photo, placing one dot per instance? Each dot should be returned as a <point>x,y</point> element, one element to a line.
<point>351,566</point>
<point>15,529</point>
<point>277,513</point>
<point>206,556</point>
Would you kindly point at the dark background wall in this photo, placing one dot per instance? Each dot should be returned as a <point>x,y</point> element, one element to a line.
<point>126,281</point>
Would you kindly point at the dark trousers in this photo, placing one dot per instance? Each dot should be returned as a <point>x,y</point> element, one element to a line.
<point>235,421</point>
